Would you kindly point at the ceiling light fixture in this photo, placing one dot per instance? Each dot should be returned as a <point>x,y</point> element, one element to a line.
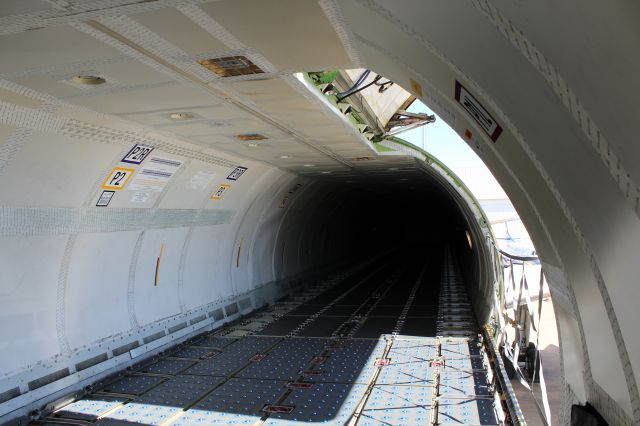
<point>284,157</point>
<point>179,116</point>
<point>309,165</point>
<point>325,172</point>
<point>92,80</point>
<point>253,145</point>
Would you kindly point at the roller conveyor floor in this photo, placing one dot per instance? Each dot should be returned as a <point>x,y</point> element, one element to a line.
<point>391,344</point>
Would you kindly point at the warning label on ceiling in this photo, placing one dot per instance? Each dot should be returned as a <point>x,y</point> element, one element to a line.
<point>478,112</point>
<point>155,174</point>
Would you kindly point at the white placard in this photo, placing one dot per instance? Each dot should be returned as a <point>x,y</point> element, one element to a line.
<point>200,180</point>
<point>478,112</point>
<point>154,175</point>
<point>140,197</point>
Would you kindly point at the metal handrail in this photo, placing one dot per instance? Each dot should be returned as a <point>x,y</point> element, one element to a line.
<point>520,258</point>
<point>501,280</point>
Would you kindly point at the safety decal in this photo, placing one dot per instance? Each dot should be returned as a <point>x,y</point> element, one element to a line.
<point>437,362</point>
<point>472,140</point>
<point>137,154</point>
<point>105,198</point>
<point>236,173</point>
<point>118,178</point>
<point>220,191</point>
<point>155,174</point>
<point>478,112</point>
<point>283,202</point>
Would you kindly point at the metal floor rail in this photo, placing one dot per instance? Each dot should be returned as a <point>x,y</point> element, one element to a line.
<point>392,345</point>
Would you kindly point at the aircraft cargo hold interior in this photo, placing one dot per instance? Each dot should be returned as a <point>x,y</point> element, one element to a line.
<point>209,215</point>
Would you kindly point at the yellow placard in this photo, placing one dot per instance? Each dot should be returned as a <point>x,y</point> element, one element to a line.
<point>118,178</point>
<point>219,193</point>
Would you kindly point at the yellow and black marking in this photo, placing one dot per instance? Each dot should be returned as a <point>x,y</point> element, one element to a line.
<point>158,260</point>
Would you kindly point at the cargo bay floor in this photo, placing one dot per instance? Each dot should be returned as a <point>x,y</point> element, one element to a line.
<point>390,344</point>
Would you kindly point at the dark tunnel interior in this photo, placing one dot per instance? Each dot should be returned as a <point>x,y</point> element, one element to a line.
<point>351,222</point>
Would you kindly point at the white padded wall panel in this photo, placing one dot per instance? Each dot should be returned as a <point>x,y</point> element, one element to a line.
<point>98,272</point>
<point>249,205</point>
<point>153,303</point>
<point>264,240</point>
<point>204,279</point>
<point>28,285</point>
<point>259,262</point>
<point>261,252</point>
<point>54,170</point>
<point>240,265</point>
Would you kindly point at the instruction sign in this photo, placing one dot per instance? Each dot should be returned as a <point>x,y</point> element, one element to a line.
<point>236,173</point>
<point>105,198</point>
<point>219,193</point>
<point>118,178</point>
<point>478,112</point>
<point>155,174</point>
<point>137,154</point>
